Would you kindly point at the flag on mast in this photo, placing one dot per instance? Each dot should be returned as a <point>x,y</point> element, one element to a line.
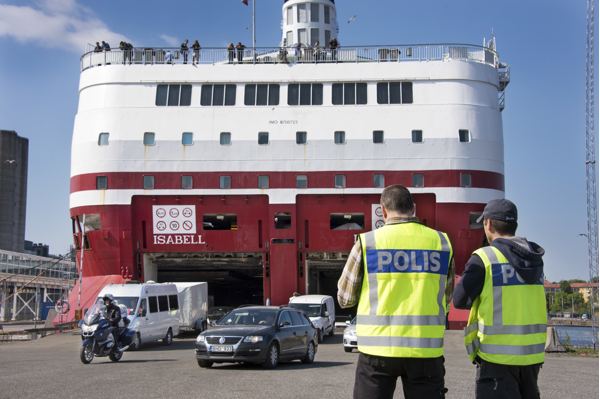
<point>245,2</point>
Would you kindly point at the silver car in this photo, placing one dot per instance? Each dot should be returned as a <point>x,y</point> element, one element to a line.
<point>350,336</point>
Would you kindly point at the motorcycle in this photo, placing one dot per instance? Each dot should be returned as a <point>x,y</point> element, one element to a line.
<point>100,338</point>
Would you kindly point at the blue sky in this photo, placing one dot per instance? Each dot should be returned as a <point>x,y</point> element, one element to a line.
<point>544,120</point>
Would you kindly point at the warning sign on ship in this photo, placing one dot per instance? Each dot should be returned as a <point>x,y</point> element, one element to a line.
<point>161,213</point>
<point>174,219</point>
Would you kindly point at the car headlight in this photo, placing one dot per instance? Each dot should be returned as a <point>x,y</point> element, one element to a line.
<point>350,333</point>
<point>253,339</point>
<point>200,338</point>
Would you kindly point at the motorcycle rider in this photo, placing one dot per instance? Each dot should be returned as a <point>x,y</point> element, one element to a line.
<point>113,312</point>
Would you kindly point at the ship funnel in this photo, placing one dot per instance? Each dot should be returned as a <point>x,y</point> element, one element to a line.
<point>306,21</point>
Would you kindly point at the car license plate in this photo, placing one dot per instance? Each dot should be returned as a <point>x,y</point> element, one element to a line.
<point>221,348</point>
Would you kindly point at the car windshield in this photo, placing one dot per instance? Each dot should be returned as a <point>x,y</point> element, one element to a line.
<point>353,321</point>
<point>312,310</point>
<point>246,317</point>
<point>131,302</point>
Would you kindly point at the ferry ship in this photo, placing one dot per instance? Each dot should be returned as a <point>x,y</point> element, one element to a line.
<point>255,169</point>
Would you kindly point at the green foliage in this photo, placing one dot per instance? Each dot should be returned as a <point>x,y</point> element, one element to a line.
<point>576,280</point>
<point>569,301</point>
<point>565,287</point>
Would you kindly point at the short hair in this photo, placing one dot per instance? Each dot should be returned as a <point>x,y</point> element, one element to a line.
<point>397,198</point>
<point>503,228</point>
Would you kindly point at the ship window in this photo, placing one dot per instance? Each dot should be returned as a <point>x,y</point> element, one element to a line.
<point>339,137</point>
<point>407,92</point>
<point>302,13</point>
<point>187,182</point>
<point>339,181</point>
<point>283,220</point>
<point>224,181</point>
<point>327,36</point>
<point>173,95</point>
<point>382,93</point>
<point>378,136</point>
<point>465,180</point>
<point>349,93</point>
<point>261,94</point>
<point>314,34</point>
<point>290,18</point>
<point>305,94</point>
<point>300,137</point>
<point>103,139</point>
<point>263,138</point>
<point>347,221</point>
<point>161,95</point>
<point>289,38</point>
<point>187,138</point>
<point>301,181</point>
<point>394,93</point>
<point>101,182</point>
<point>463,136</point>
<point>217,95</point>
<point>302,36</point>
<point>378,181</point>
<point>149,139</point>
<point>314,13</point>
<point>326,15</point>
<point>225,139</point>
<point>148,182</point>
<point>263,181</point>
<point>417,136</point>
<point>186,95</point>
<point>214,221</point>
<point>417,180</point>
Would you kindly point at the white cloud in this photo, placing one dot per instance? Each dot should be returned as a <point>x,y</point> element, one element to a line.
<point>56,23</point>
<point>170,40</point>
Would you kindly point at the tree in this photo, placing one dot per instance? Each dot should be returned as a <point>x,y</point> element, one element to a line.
<point>576,280</point>
<point>565,287</point>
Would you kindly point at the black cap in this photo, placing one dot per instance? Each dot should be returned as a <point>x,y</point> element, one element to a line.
<point>500,209</point>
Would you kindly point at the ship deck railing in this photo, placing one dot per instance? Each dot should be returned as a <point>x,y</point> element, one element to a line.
<point>289,55</point>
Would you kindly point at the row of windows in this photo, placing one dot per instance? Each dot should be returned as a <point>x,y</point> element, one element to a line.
<point>298,94</point>
<point>303,10</point>
<point>339,137</point>
<point>339,181</point>
<point>303,38</point>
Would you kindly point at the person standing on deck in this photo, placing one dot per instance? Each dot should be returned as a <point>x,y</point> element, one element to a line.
<point>401,276</point>
<point>503,285</point>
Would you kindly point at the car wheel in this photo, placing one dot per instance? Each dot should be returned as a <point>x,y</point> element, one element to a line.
<point>272,357</point>
<point>346,349</point>
<point>168,339</point>
<point>310,354</point>
<point>205,364</point>
<point>137,344</point>
<point>321,335</point>
<point>332,332</point>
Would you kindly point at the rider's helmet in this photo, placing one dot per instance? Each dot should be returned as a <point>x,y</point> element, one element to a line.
<point>109,297</point>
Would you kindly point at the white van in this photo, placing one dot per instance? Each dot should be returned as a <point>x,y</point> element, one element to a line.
<point>320,309</point>
<point>153,310</point>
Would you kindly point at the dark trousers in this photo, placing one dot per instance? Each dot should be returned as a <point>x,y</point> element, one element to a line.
<point>376,377</point>
<point>498,381</point>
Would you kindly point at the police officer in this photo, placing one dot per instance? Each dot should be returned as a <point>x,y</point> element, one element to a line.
<point>503,286</point>
<point>112,312</point>
<point>401,276</point>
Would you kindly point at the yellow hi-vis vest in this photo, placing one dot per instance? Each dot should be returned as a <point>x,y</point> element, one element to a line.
<point>402,305</point>
<point>507,324</point>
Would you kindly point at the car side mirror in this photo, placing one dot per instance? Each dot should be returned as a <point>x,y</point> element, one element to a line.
<point>213,323</point>
<point>326,314</point>
<point>284,324</point>
<point>347,323</point>
<point>143,313</point>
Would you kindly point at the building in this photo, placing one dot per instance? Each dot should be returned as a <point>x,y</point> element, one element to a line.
<point>584,289</point>
<point>14,153</point>
<point>551,288</point>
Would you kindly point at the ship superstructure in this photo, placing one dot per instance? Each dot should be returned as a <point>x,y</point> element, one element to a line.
<point>255,170</point>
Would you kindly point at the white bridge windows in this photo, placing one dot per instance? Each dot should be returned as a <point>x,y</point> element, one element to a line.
<point>187,138</point>
<point>347,221</point>
<point>305,94</point>
<point>378,137</point>
<point>173,95</point>
<point>394,93</point>
<point>149,139</point>
<point>464,136</point>
<point>417,136</point>
<point>263,138</point>
<point>218,95</point>
<point>349,93</point>
<point>267,94</point>
<point>225,138</point>
<point>301,138</point>
<point>339,137</point>
<point>103,139</point>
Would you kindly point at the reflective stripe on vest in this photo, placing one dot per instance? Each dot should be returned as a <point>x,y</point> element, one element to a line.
<point>525,347</point>
<point>403,335</point>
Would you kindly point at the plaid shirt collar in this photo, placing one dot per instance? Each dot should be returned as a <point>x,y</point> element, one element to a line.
<point>403,219</point>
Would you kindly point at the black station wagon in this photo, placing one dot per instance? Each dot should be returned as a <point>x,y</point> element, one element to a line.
<point>258,334</point>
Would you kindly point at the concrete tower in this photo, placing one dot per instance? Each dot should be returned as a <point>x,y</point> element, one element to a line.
<point>14,153</point>
<point>306,21</point>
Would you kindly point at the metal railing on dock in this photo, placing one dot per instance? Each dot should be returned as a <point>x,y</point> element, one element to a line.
<point>289,55</point>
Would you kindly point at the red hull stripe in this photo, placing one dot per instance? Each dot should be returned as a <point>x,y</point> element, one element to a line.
<point>279,180</point>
